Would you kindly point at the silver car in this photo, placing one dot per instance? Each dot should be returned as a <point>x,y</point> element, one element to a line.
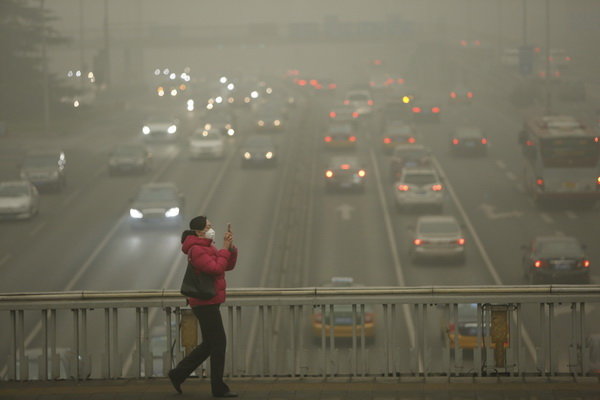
<point>207,143</point>
<point>157,204</point>
<point>419,187</point>
<point>18,200</point>
<point>160,128</point>
<point>438,237</point>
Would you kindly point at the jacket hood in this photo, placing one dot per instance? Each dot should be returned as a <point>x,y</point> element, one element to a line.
<point>192,240</point>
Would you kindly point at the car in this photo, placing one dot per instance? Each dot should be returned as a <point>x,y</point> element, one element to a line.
<point>129,158</point>
<point>465,329</point>
<point>345,172</point>
<point>426,111</point>
<point>157,204</point>
<point>340,137</point>
<point>396,133</point>
<point>343,114</point>
<point>160,128</point>
<point>437,237</point>
<point>360,100</point>
<point>408,155</point>
<point>207,143</point>
<point>222,120</point>
<point>259,151</point>
<point>18,200</point>
<point>555,259</point>
<point>345,320</point>
<point>460,95</point>
<point>269,118</point>
<point>419,188</point>
<point>45,168</point>
<point>468,140</point>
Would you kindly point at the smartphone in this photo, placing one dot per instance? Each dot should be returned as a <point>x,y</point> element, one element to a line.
<point>228,227</point>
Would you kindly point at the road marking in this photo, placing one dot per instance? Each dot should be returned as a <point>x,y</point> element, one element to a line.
<point>393,244</point>
<point>38,228</point>
<point>484,255</point>
<point>345,211</point>
<point>4,259</point>
<point>490,212</point>
<point>511,176</point>
<point>571,214</point>
<point>548,219</point>
<point>500,164</point>
<point>71,197</point>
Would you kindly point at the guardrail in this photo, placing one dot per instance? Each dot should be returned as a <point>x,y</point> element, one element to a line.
<point>511,330</point>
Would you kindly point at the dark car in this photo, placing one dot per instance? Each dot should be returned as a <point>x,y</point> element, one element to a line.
<point>408,155</point>
<point>426,111</point>
<point>346,173</point>
<point>395,133</point>
<point>556,259</point>
<point>45,168</point>
<point>157,204</point>
<point>269,118</point>
<point>259,150</point>
<point>468,140</point>
<point>340,136</point>
<point>343,114</point>
<point>129,158</point>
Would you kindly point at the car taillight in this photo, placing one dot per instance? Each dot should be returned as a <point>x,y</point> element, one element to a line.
<point>598,181</point>
<point>484,141</point>
<point>328,139</point>
<point>403,188</point>
<point>388,140</point>
<point>417,242</point>
<point>435,110</point>
<point>362,173</point>
<point>346,102</point>
<point>412,140</point>
<point>332,114</point>
<point>460,241</point>
<point>567,58</point>
<point>455,141</point>
<point>585,263</point>
<point>538,263</point>
<point>389,81</point>
<point>329,173</point>
<point>400,81</point>
<point>470,95</point>
<point>302,82</point>
<point>539,182</point>
<point>370,102</point>
<point>436,188</point>
<point>372,84</point>
<point>318,87</point>
<point>453,95</point>
<point>345,166</point>
<point>528,143</point>
<point>352,138</point>
<point>314,82</point>
<point>416,109</point>
<point>332,86</point>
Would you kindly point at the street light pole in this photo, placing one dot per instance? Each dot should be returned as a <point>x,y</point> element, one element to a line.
<point>548,88</point>
<point>46,90</point>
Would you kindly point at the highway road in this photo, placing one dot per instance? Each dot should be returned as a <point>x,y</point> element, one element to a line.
<point>290,231</point>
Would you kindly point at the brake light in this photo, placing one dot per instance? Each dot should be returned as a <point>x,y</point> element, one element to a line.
<point>598,180</point>
<point>567,58</point>
<point>585,263</point>
<point>314,82</point>
<point>302,82</point>
<point>477,43</point>
<point>483,141</point>
<point>538,263</point>
<point>355,114</point>
<point>436,187</point>
<point>411,140</point>
<point>539,182</point>
<point>455,141</point>
<point>387,140</point>
<point>460,241</point>
<point>416,109</point>
<point>403,188</point>
<point>352,138</point>
<point>453,95</point>
<point>400,81</point>
<point>435,110</point>
<point>370,102</point>
<point>332,114</point>
<point>389,81</point>
<point>470,95</point>
<point>328,139</point>
<point>345,166</point>
<point>346,102</point>
<point>332,86</point>
<point>529,143</point>
<point>318,87</point>
<point>329,173</point>
<point>417,242</point>
<point>372,84</point>
<point>362,173</point>
<point>463,43</point>
<point>596,139</point>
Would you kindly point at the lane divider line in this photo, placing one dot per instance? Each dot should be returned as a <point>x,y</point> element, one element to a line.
<point>548,219</point>
<point>500,164</point>
<point>511,176</point>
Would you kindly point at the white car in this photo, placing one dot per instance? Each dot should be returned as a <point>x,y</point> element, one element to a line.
<point>18,200</point>
<point>207,143</point>
<point>160,128</point>
<point>360,100</point>
<point>438,237</point>
<point>419,187</point>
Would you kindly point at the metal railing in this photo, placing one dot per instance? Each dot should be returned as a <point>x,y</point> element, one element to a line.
<point>374,331</point>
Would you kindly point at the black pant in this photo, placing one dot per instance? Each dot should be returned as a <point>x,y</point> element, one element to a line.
<point>213,345</point>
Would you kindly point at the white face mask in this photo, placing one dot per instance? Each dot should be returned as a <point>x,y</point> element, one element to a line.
<point>210,234</point>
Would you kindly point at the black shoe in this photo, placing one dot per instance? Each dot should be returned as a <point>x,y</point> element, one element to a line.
<point>175,382</point>
<point>226,394</point>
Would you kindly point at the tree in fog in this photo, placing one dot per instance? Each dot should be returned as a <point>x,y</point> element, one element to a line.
<point>23,25</point>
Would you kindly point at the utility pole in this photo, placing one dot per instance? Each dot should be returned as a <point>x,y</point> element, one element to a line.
<point>46,90</point>
<point>81,46</point>
<point>548,102</point>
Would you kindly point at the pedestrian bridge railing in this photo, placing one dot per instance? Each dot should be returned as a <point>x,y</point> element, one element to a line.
<point>302,332</point>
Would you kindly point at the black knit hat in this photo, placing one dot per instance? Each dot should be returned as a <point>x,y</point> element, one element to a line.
<point>198,223</point>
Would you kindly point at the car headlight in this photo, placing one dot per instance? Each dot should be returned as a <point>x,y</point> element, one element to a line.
<point>269,155</point>
<point>230,132</point>
<point>207,126</point>
<point>277,122</point>
<point>137,214</point>
<point>146,130</point>
<point>172,212</point>
<point>261,123</point>
<point>172,129</point>
<point>247,155</point>
<point>190,105</point>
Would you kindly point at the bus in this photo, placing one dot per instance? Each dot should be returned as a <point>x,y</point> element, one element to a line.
<point>561,159</point>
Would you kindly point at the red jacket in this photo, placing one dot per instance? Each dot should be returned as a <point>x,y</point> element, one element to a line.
<point>206,258</point>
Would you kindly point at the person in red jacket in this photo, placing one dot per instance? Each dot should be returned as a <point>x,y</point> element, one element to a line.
<point>197,243</point>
